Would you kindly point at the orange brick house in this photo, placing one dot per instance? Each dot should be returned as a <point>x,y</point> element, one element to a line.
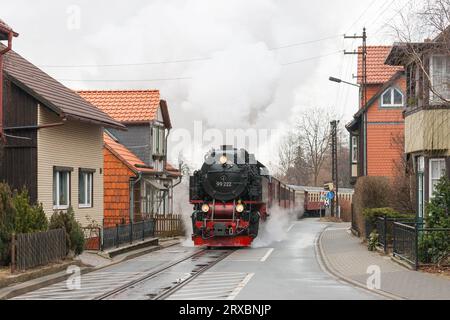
<point>377,129</point>
<point>138,180</point>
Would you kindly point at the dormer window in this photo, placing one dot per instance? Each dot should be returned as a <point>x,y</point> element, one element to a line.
<point>392,98</point>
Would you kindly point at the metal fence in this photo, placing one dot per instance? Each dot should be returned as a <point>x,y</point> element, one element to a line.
<point>31,250</point>
<point>127,233</point>
<point>385,230</point>
<point>418,245</point>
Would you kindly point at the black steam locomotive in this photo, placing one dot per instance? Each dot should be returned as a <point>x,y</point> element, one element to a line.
<point>231,194</point>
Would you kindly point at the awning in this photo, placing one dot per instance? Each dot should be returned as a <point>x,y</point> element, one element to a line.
<point>156,185</point>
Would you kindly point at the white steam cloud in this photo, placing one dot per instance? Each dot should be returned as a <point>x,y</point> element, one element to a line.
<point>233,88</point>
<point>274,229</point>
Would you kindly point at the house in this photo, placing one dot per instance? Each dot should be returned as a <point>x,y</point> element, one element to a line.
<point>427,112</point>
<point>376,131</point>
<point>138,179</point>
<point>52,141</point>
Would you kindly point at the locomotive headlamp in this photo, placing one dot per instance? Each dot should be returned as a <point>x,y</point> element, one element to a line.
<point>223,160</point>
<point>205,208</point>
<point>240,208</point>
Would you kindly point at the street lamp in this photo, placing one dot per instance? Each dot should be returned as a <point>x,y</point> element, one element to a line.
<point>333,79</point>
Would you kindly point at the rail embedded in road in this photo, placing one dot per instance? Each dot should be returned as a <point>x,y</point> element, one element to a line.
<point>215,255</point>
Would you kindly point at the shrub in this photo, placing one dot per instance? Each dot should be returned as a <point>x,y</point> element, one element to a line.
<point>374,213</point>
<point>74,233</point>
<point>434,246</point>
<point>7,213</point>
<point>373,241</point>
<point>28,218</point>
<point>370,192</point>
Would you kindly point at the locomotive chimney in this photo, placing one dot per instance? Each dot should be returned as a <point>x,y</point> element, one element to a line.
<point>6,34</point>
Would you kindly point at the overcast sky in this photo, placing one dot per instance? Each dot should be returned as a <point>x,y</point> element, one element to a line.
<point>250,63</point>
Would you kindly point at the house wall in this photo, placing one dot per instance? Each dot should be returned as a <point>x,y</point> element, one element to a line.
<point>428,130</point>
<point>75,145</point>
<point>385,136</point>
<point>18,159</point>
<point>138,140</point>
<point>116,189</point>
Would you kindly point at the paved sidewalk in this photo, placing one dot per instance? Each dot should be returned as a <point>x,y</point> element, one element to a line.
<point>347,258</point>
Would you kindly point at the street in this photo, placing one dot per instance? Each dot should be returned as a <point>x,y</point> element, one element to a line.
<point>287,270</point>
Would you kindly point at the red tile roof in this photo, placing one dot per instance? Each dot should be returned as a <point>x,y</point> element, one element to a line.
<point>377,71</point>
<point>130,159</point>
<point>126,106</point>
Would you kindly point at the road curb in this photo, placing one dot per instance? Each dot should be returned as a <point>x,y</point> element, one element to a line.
<point>45,283</point>
<point>327,267</point>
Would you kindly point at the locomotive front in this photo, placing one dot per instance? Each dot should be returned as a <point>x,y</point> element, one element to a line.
<point>227,198</point>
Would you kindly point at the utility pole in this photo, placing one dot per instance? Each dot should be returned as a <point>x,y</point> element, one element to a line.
<point>363,88</point>
<point>334,167</point>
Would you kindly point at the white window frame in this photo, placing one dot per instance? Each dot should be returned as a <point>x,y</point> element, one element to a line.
<point>430,172</point>
<point>392,104</point>
<point>56,182</point>
<point>355,148</point>
<point>434,99</point>
<point>91,187</point>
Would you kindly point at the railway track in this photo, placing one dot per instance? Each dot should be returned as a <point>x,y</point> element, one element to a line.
<point>215,255</point>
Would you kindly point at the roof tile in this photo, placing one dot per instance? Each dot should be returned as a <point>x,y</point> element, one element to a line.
<point>377,71</point>
<point>126,106</point>
<point>130,159</point>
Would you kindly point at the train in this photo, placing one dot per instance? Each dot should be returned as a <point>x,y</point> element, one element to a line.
<point>232,195</point>
<point>311,201</point>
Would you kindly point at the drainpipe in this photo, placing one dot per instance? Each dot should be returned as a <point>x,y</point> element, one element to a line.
<point>132,185</point>
<point>165,149</point>
<point>2,53</point>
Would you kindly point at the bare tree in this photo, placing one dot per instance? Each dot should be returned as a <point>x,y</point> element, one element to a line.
<point>430,23</point>
<point>314,128</point>
<point>292,166</point>
<point>424,49</point>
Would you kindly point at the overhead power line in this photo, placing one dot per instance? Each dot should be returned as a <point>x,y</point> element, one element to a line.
<point>186,60</point>
<point>189,78</point>
<point>305,42</point>
<point>312,58</point>
<point>362,14</point>
<point>126,80</point>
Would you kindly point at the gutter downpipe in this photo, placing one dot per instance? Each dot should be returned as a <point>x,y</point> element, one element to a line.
<point>2,53</point>
<point>132,184</point>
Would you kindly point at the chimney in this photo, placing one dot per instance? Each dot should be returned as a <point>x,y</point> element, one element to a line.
<point>6,34</point>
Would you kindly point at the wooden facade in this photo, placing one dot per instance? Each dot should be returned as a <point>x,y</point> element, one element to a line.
<point>18,165</point>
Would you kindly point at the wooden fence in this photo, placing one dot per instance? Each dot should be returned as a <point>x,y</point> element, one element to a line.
<point>31,250</point>
<point>168,226</point>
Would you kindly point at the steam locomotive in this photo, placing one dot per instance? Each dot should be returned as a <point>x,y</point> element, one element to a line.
<point>232,194</point>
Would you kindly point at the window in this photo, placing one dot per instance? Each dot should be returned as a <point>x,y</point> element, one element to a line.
<point>437,171</point>
<point>85,188</point>
<point>440,77</point>
<point>355,149</point>
<point>158,134</point>
<point>392,97</point>
<point>61,189</point>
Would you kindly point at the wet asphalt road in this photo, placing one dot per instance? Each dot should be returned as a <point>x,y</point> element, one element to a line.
<point>285,270</point>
